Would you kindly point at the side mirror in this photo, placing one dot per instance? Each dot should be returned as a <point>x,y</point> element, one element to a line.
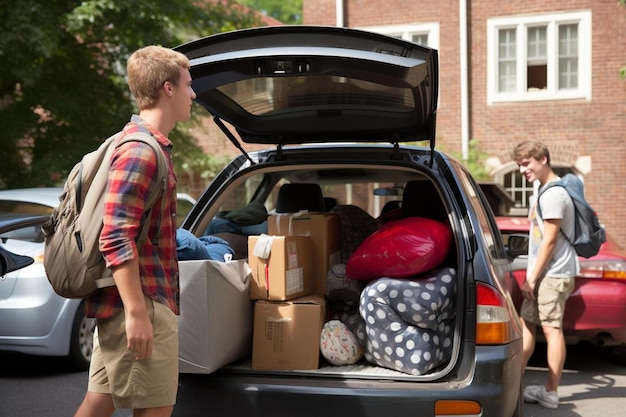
<point>517,245</point>
<point>10,262</point>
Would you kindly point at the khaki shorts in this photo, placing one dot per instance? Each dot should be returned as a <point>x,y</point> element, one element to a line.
<point>548,307</point>
<point>135,384</point>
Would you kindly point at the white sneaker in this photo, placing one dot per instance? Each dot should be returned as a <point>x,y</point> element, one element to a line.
<point>538,394</point>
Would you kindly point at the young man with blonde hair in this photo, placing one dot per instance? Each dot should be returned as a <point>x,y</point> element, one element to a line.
<point>552,267</point>
<point>135,360</point>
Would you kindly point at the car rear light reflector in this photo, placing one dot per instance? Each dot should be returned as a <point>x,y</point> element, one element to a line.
<point>493,321</point>
<point>457,408</point>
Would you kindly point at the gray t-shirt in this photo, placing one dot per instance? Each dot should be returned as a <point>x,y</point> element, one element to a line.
<point>555,204</point>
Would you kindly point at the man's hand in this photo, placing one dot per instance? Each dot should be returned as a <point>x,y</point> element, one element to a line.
<point>528,290</point>
<point>140,335</point>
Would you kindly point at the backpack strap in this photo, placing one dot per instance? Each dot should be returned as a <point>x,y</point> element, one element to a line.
<point>162,177</point>
<point>558,183</point>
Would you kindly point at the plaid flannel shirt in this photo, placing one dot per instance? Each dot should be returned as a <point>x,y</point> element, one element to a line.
<point>133,175</point>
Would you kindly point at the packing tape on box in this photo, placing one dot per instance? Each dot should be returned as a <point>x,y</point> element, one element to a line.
<point>290,216</point>
<point>263,246</point>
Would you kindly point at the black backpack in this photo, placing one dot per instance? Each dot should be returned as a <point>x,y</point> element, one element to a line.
<point>589,233</point>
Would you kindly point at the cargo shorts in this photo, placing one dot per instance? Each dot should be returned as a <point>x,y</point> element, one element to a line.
<point>548,307</point>
<point>135,384</point>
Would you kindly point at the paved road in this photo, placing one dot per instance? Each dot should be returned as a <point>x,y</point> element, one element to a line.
<point>33,386</point>
<point>40,387</point>
<point>591,385</point>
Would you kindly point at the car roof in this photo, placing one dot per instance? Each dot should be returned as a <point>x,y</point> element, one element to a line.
<point>47,196</point>
<point>306,84</point>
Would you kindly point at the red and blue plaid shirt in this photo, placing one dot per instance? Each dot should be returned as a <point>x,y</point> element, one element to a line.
<point>132,177</point>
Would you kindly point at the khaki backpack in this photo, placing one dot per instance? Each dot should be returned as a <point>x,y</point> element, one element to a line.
<point>72,259</point>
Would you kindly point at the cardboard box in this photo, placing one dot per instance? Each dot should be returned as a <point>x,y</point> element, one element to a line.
<point>216,314</point>
<point>281,267</point>
<point>287,333</point>
<point>324,230</point>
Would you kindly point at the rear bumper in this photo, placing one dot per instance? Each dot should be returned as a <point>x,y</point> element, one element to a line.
<point>493,380</point>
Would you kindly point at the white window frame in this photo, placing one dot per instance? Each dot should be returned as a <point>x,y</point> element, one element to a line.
<point>407,32</point>
<point>552,21</point>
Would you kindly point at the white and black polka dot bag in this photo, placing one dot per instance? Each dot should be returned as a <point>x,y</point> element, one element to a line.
<point>410,323</point>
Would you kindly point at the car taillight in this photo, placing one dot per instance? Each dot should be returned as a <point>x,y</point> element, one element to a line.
<point>608,269</point>
<point>38,258</point>
<point>493,321</point>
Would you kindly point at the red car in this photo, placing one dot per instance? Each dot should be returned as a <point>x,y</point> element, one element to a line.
<point>596,310</point>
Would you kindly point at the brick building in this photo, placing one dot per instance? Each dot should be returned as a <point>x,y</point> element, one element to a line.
<point>511,71</point>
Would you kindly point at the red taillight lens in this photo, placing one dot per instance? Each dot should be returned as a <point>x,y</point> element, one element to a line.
<point>608,269</point>
<point>493,320</point>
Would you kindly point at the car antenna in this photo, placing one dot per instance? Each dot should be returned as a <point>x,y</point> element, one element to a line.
<point>232,138</point>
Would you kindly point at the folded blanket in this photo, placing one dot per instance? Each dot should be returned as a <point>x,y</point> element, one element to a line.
<point>190,247</point>
<point>218,225</point>
<point>251,214</point>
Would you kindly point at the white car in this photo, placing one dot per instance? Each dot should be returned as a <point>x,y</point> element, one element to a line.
<point>33,318</point>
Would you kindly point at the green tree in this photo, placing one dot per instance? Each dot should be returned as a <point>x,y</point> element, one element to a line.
<point>476,160</point>
<point>286,11</point>
<point>62,88</point>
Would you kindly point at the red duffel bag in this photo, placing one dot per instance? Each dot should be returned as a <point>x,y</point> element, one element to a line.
<point>401,249</point>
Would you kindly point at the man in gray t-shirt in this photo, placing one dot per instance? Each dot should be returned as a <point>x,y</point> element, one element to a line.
<point>552,267</point>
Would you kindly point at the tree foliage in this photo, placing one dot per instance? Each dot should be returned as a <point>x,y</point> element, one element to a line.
<point>476,160</point>
<point>286,11</point>
<point>62,85</point>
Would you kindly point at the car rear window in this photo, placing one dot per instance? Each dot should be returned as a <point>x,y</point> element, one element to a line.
<point>289,94</point>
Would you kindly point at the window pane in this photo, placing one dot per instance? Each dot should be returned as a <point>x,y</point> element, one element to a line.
<point>536,59</point>
<point>537,44</point>
<point>421,39</point>
<point>507,72</point>
<point>568,57</point>
<point>518,188</point>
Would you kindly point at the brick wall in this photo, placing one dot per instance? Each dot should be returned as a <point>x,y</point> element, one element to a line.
<point>571,128</point>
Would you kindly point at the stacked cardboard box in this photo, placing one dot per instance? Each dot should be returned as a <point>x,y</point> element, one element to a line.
<point>281,267</point>
<point>287,334</point>
<point>324,231</point>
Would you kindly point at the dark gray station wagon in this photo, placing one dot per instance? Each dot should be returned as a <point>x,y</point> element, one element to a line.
<point>406,307</point>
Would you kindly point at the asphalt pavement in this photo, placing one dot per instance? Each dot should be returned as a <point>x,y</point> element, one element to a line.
<point>591,386</point>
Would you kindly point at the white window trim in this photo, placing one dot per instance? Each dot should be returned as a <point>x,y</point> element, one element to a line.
<point>583,18</point>
<point>406,31</point>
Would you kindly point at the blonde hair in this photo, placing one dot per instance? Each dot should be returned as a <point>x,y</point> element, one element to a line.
<point>528,149</point>
<point>149,68</point>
